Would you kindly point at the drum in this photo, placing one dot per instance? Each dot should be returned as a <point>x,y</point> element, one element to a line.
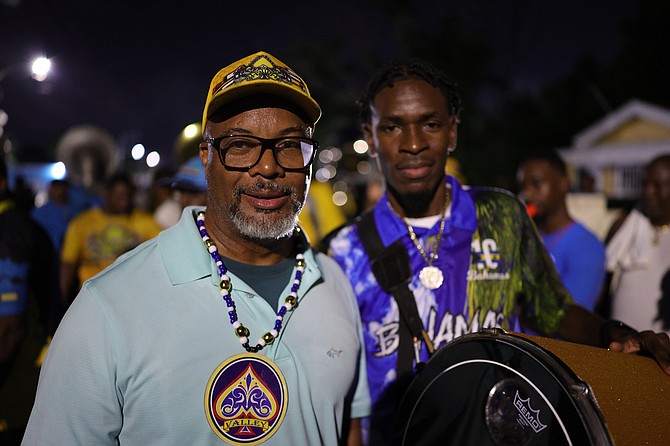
<point>495,388</point>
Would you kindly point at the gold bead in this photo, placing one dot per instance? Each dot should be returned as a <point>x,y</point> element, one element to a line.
<point>291,300</point>
<point>242,331</point>
<point>268,338</point>
<point>209,243</point>
<point>300,263</point>
<point>225,285</point>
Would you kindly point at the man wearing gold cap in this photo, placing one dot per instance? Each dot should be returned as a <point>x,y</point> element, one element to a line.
<point>226,327</point>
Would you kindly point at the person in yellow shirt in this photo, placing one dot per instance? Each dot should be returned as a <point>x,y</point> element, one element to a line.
<point>96,237</point>
<point>320,215</point>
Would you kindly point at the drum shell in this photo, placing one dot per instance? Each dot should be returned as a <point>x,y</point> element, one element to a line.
<point>632,392</point>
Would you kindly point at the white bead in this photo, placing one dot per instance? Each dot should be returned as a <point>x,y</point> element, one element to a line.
<point>261,342</point>
<point>212,248</point>
<point>288,306</point>
<point>243,340</point>
<point>274,332</point>
<point>236,324</point>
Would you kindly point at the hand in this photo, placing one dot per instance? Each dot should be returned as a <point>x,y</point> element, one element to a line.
<point>656,345</point>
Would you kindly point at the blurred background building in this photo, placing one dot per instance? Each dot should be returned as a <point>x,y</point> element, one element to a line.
<point>607,159</point>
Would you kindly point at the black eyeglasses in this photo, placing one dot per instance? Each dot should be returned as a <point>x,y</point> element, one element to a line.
<point>242,152</point>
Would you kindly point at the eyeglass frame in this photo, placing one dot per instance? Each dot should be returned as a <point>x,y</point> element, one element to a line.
<point>266,143</point>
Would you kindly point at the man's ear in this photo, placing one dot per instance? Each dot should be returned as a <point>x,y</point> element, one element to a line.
<point>204,154</point>
<point>564,184</point>
<point>453,133</point>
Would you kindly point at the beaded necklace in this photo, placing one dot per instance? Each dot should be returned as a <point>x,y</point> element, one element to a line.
<point>225,287</point>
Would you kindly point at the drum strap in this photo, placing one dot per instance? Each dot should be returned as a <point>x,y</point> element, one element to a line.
<point>393,271</point>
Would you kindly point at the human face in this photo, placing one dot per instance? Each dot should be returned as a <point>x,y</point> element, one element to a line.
<point>263,202</point>
<point>656,192</point>
<point>411,133</point>
<point>119,198</point>
<point>543,186</point>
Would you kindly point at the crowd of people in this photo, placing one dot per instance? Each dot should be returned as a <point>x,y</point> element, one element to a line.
<point>238,310</point>
<point>47,252</point>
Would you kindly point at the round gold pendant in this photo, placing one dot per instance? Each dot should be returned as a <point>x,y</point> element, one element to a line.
<point>431,277</point>
<point>246,399</point>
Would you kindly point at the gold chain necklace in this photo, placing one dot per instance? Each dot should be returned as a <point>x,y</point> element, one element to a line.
<point>431,276</point>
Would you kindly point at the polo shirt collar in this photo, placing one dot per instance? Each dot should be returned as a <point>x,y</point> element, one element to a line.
<point>183,251</point>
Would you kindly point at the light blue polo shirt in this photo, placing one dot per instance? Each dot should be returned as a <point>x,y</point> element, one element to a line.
<point>132,358</point>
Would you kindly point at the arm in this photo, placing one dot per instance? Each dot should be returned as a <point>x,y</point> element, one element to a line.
<point>355,436</point>
<point>582,326</point>
<point>68,273</point>
<point>70,258</point>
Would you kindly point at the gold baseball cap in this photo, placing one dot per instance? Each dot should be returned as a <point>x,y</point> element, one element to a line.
<point>259,73</point>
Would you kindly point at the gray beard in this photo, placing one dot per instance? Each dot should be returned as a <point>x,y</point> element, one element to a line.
<point>264,225</point>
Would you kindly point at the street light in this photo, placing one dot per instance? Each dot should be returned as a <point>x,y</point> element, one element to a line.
<point>39,69</point>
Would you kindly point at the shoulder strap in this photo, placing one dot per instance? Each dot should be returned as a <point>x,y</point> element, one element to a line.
<point>393,271</point>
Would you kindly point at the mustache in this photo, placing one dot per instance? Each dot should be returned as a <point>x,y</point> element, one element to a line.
<point>263,185</point>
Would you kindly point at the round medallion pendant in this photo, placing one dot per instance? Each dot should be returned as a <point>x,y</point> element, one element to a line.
<point>246,399</point>
<point>431,277</point>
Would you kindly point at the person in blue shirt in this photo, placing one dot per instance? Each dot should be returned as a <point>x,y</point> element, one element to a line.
<point>578,254</point>
<point>64,203</point>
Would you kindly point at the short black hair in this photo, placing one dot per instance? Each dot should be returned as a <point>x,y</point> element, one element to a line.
<point>413,68</point>
<point>660,159</point>
<point>119,178</point>
<point>551,157</point>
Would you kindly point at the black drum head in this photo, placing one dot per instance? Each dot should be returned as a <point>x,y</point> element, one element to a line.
<point>493,388</point>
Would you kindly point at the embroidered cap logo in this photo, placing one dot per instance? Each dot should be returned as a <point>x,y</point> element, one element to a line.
<point>261,68</point>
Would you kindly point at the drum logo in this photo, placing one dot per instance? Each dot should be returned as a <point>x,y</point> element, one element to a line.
<point>246,399</point>
<point>528,416</point>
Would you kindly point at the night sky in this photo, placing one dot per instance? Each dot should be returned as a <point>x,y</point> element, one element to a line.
<point>141,69</point>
